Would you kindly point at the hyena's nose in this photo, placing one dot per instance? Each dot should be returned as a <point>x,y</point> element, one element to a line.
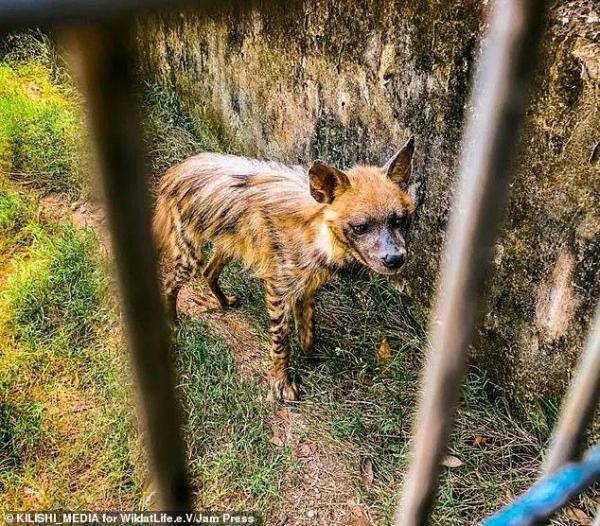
<point>394,261</point>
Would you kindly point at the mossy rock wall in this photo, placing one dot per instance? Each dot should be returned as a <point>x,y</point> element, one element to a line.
<point>350,81</point>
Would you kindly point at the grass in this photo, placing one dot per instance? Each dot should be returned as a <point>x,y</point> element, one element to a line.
<point>41,130</point>
<point>67,435</point>
<point>363,409</point>
<point>227,428</point>
<point>170,135</point>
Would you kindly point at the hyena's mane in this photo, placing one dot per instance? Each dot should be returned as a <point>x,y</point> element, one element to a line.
<point>216,194</point>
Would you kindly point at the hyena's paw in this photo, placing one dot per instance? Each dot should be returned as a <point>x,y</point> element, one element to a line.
<point>284,389</point>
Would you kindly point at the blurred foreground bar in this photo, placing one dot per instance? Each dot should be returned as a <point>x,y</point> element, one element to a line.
<point>15,14</point>
<point>579,404</point>
<point>498,104</point>
<point>102,55</point>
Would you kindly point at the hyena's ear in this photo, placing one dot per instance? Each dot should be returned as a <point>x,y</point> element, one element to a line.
<point>398,167</point>
<point>326,182</point>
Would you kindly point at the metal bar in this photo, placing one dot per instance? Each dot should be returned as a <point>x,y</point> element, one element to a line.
<point>15,14</point>
<point>579,405</point>
<point>103,57</point>
<point>498,101</point>
<point>550,494</point>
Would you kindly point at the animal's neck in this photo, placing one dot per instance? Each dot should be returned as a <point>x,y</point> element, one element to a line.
<point>326,243</point>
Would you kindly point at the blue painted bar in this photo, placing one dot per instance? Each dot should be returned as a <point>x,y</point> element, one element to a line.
<point>550,493</point>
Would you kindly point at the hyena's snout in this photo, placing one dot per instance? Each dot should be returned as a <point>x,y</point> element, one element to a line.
<point>391,251</point>
<point>394,260</point>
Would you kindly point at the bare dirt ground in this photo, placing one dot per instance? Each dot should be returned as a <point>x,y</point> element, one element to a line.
<point>321,491</point>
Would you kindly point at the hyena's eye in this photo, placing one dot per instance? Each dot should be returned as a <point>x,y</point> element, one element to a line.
<point>359,228</point>
<point>398,221</point>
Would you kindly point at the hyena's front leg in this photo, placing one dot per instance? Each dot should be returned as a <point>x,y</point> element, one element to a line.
<point>304,310</point>
<point>283,387</point>
<point>211,272</point>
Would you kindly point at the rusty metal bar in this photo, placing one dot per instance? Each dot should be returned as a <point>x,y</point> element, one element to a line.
<point>498,101</point>
<point>103,56</point>
<point>579,404</point>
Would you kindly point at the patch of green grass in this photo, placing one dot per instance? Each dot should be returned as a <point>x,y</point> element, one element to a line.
<point>232,459</point>
<point>41,131</point>
<point>20,431</point>
<point>53,295</point>
<point>16,212</point>
<point>66,431</point>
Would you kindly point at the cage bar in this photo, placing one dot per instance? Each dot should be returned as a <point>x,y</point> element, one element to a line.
<point>103,56</point>
<point>579,404</point>
<point>489,143</point>
<point>31,13</point>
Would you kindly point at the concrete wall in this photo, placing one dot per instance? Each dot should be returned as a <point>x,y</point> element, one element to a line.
<point>349,81</point>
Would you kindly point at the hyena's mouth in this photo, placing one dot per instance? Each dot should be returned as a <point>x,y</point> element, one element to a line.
<point>385,267</point>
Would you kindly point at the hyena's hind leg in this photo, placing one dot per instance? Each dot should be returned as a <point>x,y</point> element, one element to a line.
<point>183,271</point>
<point>304,310</point>
<point>211,273</point>
<point>185,264</point>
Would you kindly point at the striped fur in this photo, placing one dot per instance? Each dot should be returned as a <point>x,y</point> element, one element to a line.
<point>265,215</point>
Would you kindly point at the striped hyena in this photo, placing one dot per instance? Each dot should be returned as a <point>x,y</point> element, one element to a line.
<point>291,226</point>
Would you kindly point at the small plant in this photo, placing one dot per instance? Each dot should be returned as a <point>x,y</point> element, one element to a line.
<point>41,139</point>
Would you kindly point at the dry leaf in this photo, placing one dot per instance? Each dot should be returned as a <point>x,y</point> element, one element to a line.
<point>578,515</point>
<point>384,354</point>
<point>358,517</point>
<point>306,449</point>
<point>276,441</point>
<point>366,472</point>
<point>479,441</point>
<point>450,461</point>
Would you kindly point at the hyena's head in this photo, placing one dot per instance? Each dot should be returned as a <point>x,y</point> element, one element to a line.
<point>368,208</point>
